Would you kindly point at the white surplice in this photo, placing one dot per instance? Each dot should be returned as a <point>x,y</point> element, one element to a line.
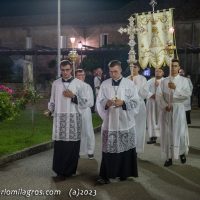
<point>66,115</point>
<point>140,119</point>
<point>174,129</point>
<point>118,128</point>
<point>153,108</point>
<point>187,103</point>
<point>87,134</point>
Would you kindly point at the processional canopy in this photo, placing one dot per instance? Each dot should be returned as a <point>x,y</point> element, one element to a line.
<point>155,36</point>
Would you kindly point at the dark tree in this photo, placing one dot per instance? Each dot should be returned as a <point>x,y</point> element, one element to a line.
<point>6,72</point>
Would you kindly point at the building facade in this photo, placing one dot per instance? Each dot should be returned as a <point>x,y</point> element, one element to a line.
<point>95,29</point>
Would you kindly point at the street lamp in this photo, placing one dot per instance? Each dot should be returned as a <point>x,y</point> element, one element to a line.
<point>59,39</point>
<point>80,45</point>
<point>72,39</point>
<point>73,54</point>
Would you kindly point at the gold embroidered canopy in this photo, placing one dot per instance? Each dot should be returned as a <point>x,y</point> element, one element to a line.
<point>154,36</point>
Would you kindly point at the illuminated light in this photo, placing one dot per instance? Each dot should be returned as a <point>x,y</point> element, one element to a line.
<point>171,30</point>
<point>72,39</point>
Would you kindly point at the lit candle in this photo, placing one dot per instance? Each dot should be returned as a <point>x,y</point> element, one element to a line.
<point>170,49</point>
<point>171,30</point>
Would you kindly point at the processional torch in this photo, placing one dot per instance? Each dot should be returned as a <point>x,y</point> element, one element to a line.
<point>170,47</point>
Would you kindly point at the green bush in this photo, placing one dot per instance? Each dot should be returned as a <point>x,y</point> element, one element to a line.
<point>9,108</point>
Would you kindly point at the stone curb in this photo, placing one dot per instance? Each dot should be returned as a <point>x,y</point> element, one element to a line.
<point>31,151</point>
<point>194,149</point>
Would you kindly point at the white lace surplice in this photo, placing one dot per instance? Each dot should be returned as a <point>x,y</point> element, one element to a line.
<point>66,116</point>
<point>118,128</point>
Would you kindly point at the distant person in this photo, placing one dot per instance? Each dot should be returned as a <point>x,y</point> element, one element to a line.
<point>153,107</point>
<point>117,103</point>
<point>174,90</point>
<point>98,79</point>
<point>66,97</point>
<point>181,72</point>
<point>89,79</point>
<point>87,134</point>
<point>140,118</point>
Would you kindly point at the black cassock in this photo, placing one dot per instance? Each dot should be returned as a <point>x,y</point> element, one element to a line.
<point>65,158</point>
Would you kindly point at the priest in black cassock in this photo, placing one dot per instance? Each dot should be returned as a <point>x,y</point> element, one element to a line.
<point>117,104</point>
<point>66,94</point>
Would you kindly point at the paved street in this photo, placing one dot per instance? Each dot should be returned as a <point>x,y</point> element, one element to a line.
<point>178,182</point>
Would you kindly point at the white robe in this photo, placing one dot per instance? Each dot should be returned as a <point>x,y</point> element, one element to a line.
<point>66,115</point>
<point>118,128</point>
<point>140,119</point>
<point>153,108</point>
<point>87,134</point>
<point>97,84</point>
<point>174,129</point>
<point>187,103</point>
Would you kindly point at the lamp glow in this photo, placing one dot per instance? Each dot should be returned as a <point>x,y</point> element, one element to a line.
<point>72,39</point>
<point>171,30</point>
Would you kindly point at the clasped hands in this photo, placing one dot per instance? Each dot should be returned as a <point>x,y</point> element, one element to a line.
<point>169,108</point>
<point>116,103</point>
<point>171,85</point>
<point>153,96</point>
<point>68,93</point>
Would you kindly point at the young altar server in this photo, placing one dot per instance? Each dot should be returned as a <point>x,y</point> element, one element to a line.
<point>87,134</point>
<point>174,90</point>
<point>140,119</point>
<point>117,103</point>
<point>153,108</point>
<point>66,95</point>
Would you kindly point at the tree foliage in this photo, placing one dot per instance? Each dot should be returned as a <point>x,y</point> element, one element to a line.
<point>90,62</point>
<point>102,57</point>
<point>6,64</point>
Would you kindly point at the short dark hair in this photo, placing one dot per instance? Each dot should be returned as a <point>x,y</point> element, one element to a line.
<point>175,60</point>
<point>79,71</point>
<point>65,62</point>
<point>113,63</point>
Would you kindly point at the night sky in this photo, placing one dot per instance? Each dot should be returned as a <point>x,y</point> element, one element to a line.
<point>36,7</point>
